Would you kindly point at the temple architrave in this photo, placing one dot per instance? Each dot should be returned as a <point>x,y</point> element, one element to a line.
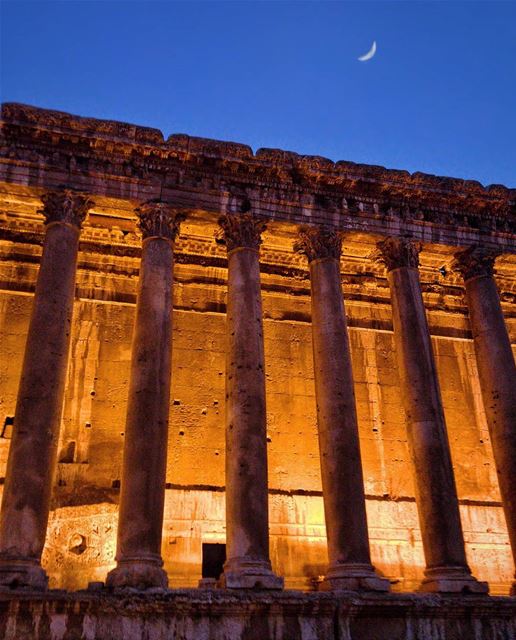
<point>275,389</point>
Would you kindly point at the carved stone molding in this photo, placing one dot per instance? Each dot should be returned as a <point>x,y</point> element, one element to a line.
<point>384,200</point>
<point>159,220</point>
<point>65,206</point>
<point>319,242</point>
<point>475,261</point>
<point>241,231</point>
<point>398,252</point>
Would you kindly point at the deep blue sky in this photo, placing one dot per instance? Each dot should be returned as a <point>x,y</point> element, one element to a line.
<point>439,96</point>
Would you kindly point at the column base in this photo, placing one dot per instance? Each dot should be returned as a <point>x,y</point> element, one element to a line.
<point>138,573</point>
<point>241,573</point>
<point>353,577</point>
<point>18,573</point>
<point>451,580</point>
<point>208,583</point>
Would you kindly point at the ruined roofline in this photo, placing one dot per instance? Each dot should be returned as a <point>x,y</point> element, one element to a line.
<point>17,114</point>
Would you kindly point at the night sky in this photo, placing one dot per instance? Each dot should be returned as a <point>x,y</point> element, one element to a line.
<point>439,95</point>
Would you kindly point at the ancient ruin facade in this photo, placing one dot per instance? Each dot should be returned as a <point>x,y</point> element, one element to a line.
<point>309,362</point>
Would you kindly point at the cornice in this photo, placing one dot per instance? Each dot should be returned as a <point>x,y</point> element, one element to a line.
<point>83,148</point>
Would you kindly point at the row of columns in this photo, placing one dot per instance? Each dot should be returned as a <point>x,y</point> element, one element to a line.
<point>32,455</point>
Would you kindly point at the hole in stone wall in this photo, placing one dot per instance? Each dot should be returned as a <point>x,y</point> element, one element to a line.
<point>7,428</point>
<point>321,201</point>
<point>115,484</point>
<point>213,558</point>
<point>67,455</point>
<point>245,205</point>
<point>77,544</point>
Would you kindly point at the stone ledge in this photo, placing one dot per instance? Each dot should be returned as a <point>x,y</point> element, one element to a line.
<point>189,614</point>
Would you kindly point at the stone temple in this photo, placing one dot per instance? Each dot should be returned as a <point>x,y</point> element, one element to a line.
<point>250,395</point>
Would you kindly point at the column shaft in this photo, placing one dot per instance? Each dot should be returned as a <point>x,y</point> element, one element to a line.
<point>32,454</point>
<point>247,518</point>
<point>142,493</point>
<point>341,468</point>
<point>438,508</point>
<point>497,374</point>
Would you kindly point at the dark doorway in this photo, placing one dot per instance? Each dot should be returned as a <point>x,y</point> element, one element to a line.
<point>8,427</point>
<point>213,558</point>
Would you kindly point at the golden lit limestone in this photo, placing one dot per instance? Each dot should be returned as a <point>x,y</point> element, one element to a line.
<point>32,455</point>
<point>436,495</point>
<point>341,468</point>
<point>247,521</point>
<point>140,523</point>
<point>496,369</point>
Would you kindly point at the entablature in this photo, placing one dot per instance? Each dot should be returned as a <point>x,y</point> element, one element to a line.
<point>116,161</point>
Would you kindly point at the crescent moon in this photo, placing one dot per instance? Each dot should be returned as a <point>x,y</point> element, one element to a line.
<point>369,54</point>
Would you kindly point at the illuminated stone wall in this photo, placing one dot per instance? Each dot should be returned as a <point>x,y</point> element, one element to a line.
<point>81,539</point>
<point>82,531</point>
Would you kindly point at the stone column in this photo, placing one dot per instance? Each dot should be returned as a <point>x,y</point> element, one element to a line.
<point>496,370</point>
<point>436,495</point>
<point>247,520</point>
<point>142,495</point>
<point>341,468</point>
<point>32,455</point>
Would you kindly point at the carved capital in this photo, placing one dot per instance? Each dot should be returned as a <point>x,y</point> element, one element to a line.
<point>241,231</point>
<point>318,242</point>
<point>159,220</point>
<point>475,261</point>
<point>65,206</point>
<point>398,252</point>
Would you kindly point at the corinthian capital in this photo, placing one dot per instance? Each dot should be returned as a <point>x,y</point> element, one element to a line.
<point>475,261</point>
<point>159,220</point>
<point>241,231</point>
<point>398,252</point>
<point>65,206</point>
<point>318,242</point>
